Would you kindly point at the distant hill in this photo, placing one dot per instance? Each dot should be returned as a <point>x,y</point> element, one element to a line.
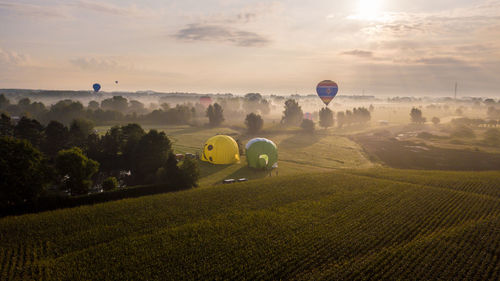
<point>377,224</point>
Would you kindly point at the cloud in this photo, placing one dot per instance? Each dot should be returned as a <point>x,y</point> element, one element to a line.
<point>220,33</point>
<point>439,60</point>
<point>33,10</point>
<point>92,63</point>
<point>358,53</point>
<point>14,58</point>
<point>111,9</point>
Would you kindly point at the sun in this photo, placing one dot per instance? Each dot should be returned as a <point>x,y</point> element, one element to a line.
<point>369,9</point>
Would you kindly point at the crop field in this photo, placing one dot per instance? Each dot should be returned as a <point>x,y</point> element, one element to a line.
<point>362,224</point>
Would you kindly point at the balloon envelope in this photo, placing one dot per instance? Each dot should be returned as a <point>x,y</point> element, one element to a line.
<point>220,149</point>
<point>96,87</point>
<point>205,101</point>
<point>327,90</point>
<point>308,116</point>
<point>261,153</point>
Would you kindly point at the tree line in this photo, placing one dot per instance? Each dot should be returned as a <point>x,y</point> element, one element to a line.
<point>35,159</point>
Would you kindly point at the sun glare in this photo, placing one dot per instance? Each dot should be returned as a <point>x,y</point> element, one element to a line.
<point>369,9</point>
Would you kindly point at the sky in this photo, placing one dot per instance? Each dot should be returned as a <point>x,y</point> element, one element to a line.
<point>378,47</point>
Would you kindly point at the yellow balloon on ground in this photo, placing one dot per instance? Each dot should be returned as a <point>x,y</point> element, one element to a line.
<point>221,149</point>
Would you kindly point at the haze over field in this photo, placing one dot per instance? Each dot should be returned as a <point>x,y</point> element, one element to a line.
<point>384,47</point>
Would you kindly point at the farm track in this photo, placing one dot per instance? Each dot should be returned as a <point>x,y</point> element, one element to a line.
<point>369,228</point>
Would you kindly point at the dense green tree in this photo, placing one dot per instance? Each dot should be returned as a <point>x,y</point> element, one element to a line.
<point>254,123</point>
<point>150,154</point>
<point>109,183</point>
<point>190,172</point>
<point>292,115</point>
<point>76,170</point>
<point>6,127</point>
<point>79,131</point>
<point>116,103</point>
<point>325,117</point>
<point>215,115</point>
<point>4,102</point>
<point>31,130</point>
<point>23,172</point>
<point>65,111</point>
<point>56,138</point>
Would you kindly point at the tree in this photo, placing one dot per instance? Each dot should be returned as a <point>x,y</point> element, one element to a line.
<point>56,138</point>
<point>23,172</point>
<point>190,172</point>
<point>307,125</point>
<point>93,105</point>
<point>79,131</point>
<point>292,115</point>
<point>4,102</point>
<point>76,169</point>
<point>109,183</point>
<point>150,154</point>
<point>325,117</point>
<point>254,123</point>
<point>29,129</point>
<point>116,103</point>
<point>416,116</point>
<point>6,127</point>
<point>435,120</point>
<point>215,115</point>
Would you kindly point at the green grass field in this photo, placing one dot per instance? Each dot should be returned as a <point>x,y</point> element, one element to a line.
<point>326,150</point>
<point>369,224</point>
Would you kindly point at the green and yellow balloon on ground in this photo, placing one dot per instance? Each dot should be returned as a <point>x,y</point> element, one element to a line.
<point>220,149</point>
<point>261,153</point>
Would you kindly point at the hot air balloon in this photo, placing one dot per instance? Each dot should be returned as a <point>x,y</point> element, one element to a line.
<point>327,90</point>
<point>308,116</point>
<point>96,87</point>
<point>205,101</point>
<point>221,149</point>
<point>261,153</point>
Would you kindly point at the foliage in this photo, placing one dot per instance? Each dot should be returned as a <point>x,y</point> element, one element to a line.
<point>307,125</point>
<point>151,153</point>
<point>365,225</point>
<point>30,130</point>
<point>116,103</point>
<point>22,172</point>
<point>215,115</point>
<point>6,127</point>
<point>254,123</point>
<point>416,116</point>
<point>76,170</point>
<point>326,117</point>
<point>358,115</point>
<point>109,183</point>
<point>292,115</point>
<point>190,172</point>
<point>56,138</point>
